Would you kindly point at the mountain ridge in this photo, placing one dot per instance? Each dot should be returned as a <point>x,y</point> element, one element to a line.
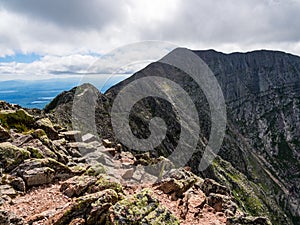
<point>251,83</point>
<point>52,175</point>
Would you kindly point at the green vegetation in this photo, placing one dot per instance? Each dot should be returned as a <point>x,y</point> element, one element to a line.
<point>16,119</point>
<point>250,196</point>
<point>95,170</point>
<point>142,208</point>
<point>104,183</point>
<point>11,156</point>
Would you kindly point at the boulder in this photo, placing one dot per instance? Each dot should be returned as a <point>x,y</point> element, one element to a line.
<point>110,151</point>
<point>248,220</point>
<point>46,125</point>
<point>19,139</point>
<point>99,157</point>
<point>95,170</point>
<point>127,158</point>
<point>42,217</point>
<point>107,143</point>
<point>177,181</point>
<point>105,182</point>
<point>60,170</point>
<point>7,190</point>
<point>100,208</point>
<point>18,184</point>
<point>87,138</point>
<point>93,208</point>
<point>76,186</point>
<point>211,186</point>
<point>143,159</point>
<point>141,208</point>
<point>80,185</point>
<point>5,199</point>
<point>39,150</point>
<point>60,142</point>
<point>37,153</point>
<point>38,176</point>
<point>193,201</point>
<point>73,135</point>
<point>80,148</point>
<point>8,218</point>
<point>126,173</point>
<point>160,215</point>
<point>38,133</point>
<point>11,156</point>
<point>4,134</point>
<point>61,153</point>
<point>159,166</point>
<point>138,173</point>
<point>218,202</point>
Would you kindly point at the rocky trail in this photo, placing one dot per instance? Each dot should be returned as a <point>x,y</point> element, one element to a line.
<point>51,175</point>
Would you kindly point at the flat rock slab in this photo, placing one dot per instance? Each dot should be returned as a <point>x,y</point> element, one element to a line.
<point>38,176</point>
<point>7,190</point>
<point>73,135</point>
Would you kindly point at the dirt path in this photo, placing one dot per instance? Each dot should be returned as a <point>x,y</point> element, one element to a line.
<point>39,203</point>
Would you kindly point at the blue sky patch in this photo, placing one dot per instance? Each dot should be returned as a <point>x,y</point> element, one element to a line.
<point>21,58</point>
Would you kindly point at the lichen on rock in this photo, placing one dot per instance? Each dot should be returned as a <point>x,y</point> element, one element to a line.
<point>11,156</point>
<point>142,208</point>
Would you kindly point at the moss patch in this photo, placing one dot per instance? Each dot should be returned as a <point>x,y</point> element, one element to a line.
<point>16,119</point>
<point>141,208</point>
<point>11,156</point>
<point>96,170</point>
<point>104,183</point>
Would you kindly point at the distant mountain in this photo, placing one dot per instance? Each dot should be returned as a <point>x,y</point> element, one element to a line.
<point>260,156</point>
<point>34,93</point>
<point>38,93</point>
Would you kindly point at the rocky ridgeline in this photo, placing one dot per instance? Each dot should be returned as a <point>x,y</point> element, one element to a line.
<point>97,181</point>
<point>259,157</point>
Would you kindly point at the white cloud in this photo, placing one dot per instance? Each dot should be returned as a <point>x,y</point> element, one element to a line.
<point>68,27</point>
<point>47,67</point>
<point>72,29</point>
<point>125,60</point>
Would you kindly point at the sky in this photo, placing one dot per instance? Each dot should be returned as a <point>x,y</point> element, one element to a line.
<point>42,39</point>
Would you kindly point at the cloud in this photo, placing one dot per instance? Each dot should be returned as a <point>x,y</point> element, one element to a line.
<point>231,22</point>
<point>60,27</point>
<point>47,67</point>
<point>70,13</point>
<point>125,60</point>
<point>128,58</point>
<point>72,28</point>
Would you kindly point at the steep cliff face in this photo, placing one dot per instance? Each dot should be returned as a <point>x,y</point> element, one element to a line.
<point>262,93</point>
<point>259,158</point>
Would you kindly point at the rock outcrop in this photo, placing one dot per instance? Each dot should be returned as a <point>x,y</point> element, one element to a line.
<point>98,182</point>
<point>255,176</point>
<point>261,143</point>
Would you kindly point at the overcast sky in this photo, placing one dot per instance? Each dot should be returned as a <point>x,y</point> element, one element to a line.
<point>40,37</point>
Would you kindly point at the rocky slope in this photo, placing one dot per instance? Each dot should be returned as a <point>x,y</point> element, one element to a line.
<point>52,175</point>
<point>262,93</point>
<point>259,158</point>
